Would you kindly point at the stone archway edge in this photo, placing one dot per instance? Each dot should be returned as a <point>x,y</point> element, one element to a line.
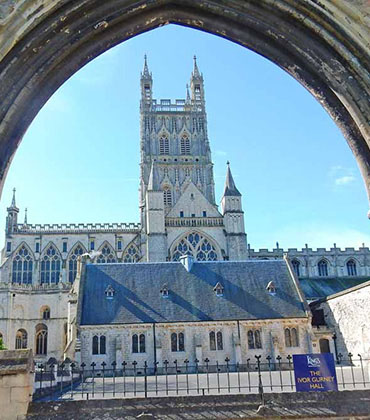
<point>323,44</point>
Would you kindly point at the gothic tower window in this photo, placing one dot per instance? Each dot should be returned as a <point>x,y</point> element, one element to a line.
<point>164,146</point>
<point>131,254</point>
<point>22,267</point>
<point>323,268</point>
<point>72,262</point>
<point>185,145</point>
<point>107,255</point>
<point>296,267</point>
<point>21,339</point>
<point>196,245</point>
<point>351,268</point>
<point>50,266</point>
<point>167,197</point>
<point>41,339</point>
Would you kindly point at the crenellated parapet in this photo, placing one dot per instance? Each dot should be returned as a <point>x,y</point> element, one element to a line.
<point>79,228</point>
<point>278,252</point>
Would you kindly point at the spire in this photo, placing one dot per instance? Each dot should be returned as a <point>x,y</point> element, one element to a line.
<point>230,188</point>
<point>196,73</point>
<point>145,74</point>
<point>153,182</point>
<point>187,94</point>
<point>13,200</point>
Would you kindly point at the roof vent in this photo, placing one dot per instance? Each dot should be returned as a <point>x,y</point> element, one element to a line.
<point>219,289</point>
<point>271,288</point>
<point>109,292</point>
<point>164,291</point>
<point>187,261</point>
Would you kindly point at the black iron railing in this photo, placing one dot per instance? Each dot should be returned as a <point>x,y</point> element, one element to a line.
<point>127,380</point>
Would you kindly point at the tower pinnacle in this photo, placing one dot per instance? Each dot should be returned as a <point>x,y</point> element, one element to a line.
<point>196,73</point>
<point>13,199</point>
<point>230,188</point>
<point>145,74</point>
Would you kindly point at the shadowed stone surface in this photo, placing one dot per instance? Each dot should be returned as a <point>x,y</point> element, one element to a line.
<point>289,405</point>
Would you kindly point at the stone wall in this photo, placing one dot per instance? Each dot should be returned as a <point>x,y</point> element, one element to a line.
<point>347,314</point>
<point>16,383</point>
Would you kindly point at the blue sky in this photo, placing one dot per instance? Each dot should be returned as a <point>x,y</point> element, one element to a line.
<point>79,160</point>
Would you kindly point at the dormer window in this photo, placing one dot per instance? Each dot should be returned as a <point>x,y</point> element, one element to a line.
<point>271,288</point>
<point>164,291</point>
<point>219,290</point>
<point>109,292</point>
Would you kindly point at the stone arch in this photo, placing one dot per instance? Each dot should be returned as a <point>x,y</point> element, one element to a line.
<point>196,243</point>
<point>321,44</point>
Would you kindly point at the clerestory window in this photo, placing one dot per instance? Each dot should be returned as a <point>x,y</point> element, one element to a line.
<point>22,267</point>
<point>50,266</point>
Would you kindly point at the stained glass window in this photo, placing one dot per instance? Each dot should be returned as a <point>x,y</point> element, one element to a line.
<point>107,255</point>
<point>50,266</point>
<point>72,263</point>
<point>131,255</point>
<point>196,245</point>
<point>22,267</point>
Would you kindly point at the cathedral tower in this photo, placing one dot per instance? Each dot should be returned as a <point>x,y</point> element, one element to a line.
<point>176,165</point>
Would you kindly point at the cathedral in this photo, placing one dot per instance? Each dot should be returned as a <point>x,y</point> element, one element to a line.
<point>183,276</point>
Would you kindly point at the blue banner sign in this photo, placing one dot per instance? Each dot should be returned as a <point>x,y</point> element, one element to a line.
<point>315,372</point>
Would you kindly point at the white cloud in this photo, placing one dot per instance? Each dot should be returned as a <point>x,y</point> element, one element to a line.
<point>341,176</point>
<point>344,180</point>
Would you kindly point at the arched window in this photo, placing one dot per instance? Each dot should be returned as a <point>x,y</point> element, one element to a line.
<point>220,345</point>
<point>21,339</point>
<point>72,262</point>
<point>167,197</point>
<point>142,343</point>
<point>164,146</point>
<point>131,254</point>
<point>41,339</point>
<point>212,341</point>
<point>22,267</point>
<point>173,342</point>
<point>196,245</point>
<point>95,345</point>
<point>50,266</point>
<point>296,267</point>
<point>288,340</point>
<point>294,336</point>
<point>351,268</point>
<point>135,344</point>
<point>185,145</point>
<point>254,339</point>
<point>291,337</point>
<point>323,268</point>
<point>107,255</point>
<point>177,342</point>
<point>99,344</point>
<point>45,312</point>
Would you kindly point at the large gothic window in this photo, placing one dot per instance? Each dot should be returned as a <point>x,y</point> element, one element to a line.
<point>131,254</point>
<point>164,146</point>
<point>72,262</point>
<point>22,267</point>
<point>351,268</point>
<point>323,268</point>
<point>185,145</point>
<point>107,255</point>
<point>50,266</point>
<point>196,245</point>
<point>167,197</point>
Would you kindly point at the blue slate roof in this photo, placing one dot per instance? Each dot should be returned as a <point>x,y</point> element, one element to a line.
<point>137,297</point>
<point>321,287</point>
